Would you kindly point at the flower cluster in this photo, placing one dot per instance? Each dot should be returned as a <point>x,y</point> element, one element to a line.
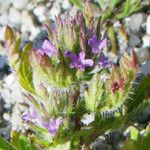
<point>79,61</point>
<point>34,116</point>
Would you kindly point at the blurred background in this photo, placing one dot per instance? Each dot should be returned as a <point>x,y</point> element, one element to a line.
<point>27,17</point>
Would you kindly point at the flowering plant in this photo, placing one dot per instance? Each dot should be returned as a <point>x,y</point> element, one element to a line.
<point>76,93</point>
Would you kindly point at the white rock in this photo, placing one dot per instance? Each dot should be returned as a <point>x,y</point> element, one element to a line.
<point>2,32</point>
<point>146,71</point>
<point>4,5</point>
<point>134,40</point>
<point>9,79</point>
<point>55,11</point>
<point>2,61</point>
<point>148,25</point>
<point>20,4</point>
<point>4,19</point>
<point>146,41</point>
<point>28,25</point>
<point>66,5</point>
<point>134,22</point>
<point>11,93</point>
<point>143,54</point>
<point>40,12</point>
<point>88,118</point>
<point>14,16</point>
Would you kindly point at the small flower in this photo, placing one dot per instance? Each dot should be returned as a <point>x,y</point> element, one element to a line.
<point>97,44</point>
<point>33,116</point>
<point>48,48</point>
<point>103,61</point>
<point>79,61</point>
<point>53,125</point>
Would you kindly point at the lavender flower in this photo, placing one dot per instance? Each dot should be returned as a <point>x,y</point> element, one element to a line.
<point>79,61</point>
<point>103,61</point>
<point>97,44</point>
<point>33,116</point>
<point>53,125</point>
<point>48,48</point>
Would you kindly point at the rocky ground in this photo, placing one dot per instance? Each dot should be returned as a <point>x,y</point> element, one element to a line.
<point>28,17</point>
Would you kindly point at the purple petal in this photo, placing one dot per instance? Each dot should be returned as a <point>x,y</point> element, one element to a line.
<point>103,43</point>
<point>48,48</point>
<point>88,62</point>
<point>54,125</point>
<point>82,68</point>
<point>81,56</point>
<point>58,122</point>
<point>103,61</point>
<point>96,44</point>
<point>30,115</point>
<point>92,41</point>
<point>41,51</point>
<point>67,53</point>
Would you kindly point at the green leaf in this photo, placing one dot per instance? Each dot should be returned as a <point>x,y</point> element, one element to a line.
<point>134,133</point>
<point>113,3</point>
<point>101,3</point>
<point>94,93</point>
<point>5,145</point>
<point>24,143</point>
<point>77,3</point>
<point>25,71</point>
<point>9,35</point>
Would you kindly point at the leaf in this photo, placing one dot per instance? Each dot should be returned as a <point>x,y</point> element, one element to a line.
<point>25,71</point>
<point>9,35</point>
<point>77,3</point>
<point>113,40</point>
<point>94,93</point>
<point>5,145</point>
<point>113,3</point>
<point>15,138</point>
<point>24,143</point>
<point>134,133</point>
<point>101,3</point>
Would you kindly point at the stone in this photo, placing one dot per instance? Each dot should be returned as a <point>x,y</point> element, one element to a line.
<point>134,40</point>
<point>145,68</point>
<point>3,61</point>
<point>14,16</point>
<point>55,11</point>
<point>148,25</point>
<point>134,22</point>
<point>143,54</point>
<point>40,12</point>
<point>4,19</point>
<point>4,5</point>
<point>2,32</point>
<point>66,4</point>
<point>28,25</point>
<point>88,118</point>
<point>146,41</point>
<point>20,4</point>
<point>9,94</point>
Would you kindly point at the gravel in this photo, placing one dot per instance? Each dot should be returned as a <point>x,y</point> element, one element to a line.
<point>148,25</point>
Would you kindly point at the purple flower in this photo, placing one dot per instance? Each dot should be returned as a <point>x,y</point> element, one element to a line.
<point>53,125</point>
<point>48,48</point>
<point>97,44</point>
<point>103,61</point>
<point>33,116</point>
<point>79,61</point>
